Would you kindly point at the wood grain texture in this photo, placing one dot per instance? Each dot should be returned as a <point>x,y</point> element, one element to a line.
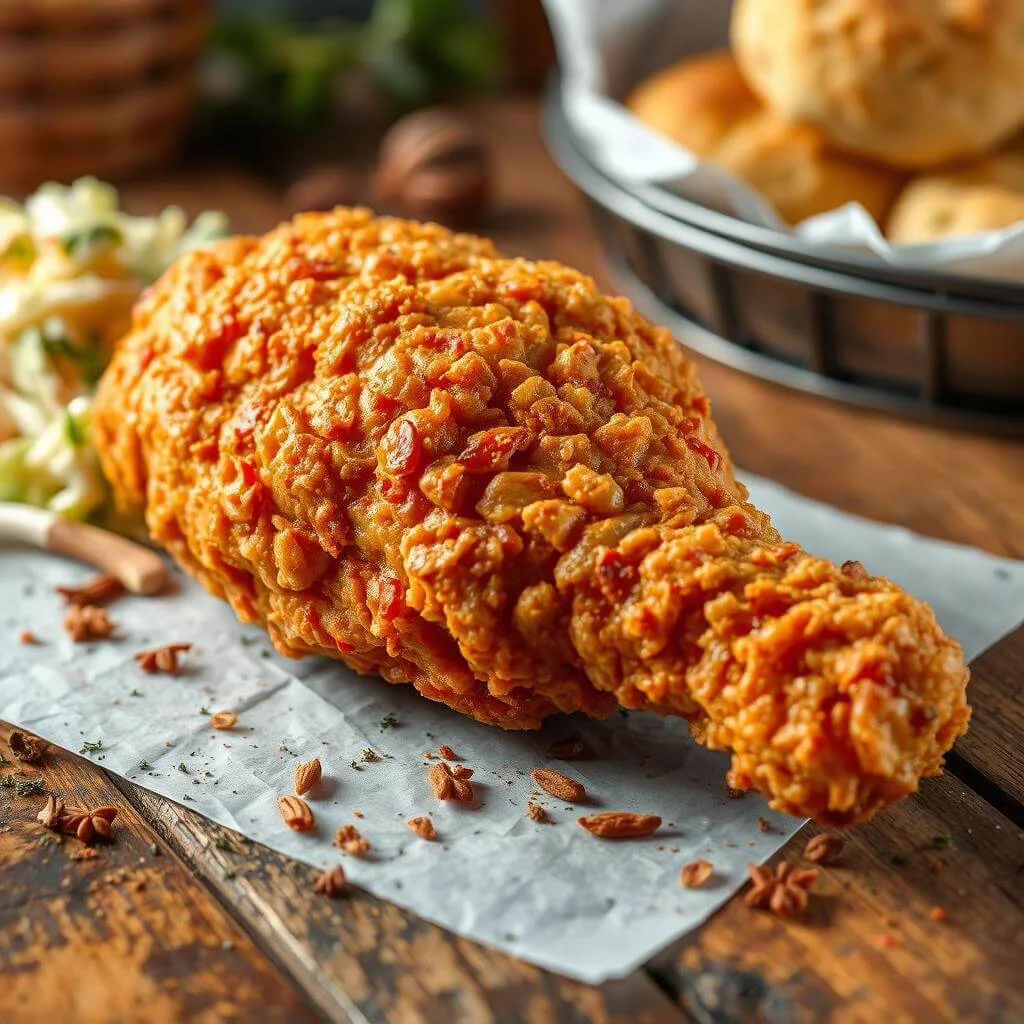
<point>994,744</point>
<point>128,936</point>
<point>868,948</point>
<point>360,958</point>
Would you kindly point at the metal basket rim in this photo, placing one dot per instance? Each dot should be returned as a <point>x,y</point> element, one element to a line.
<point>738,243</point>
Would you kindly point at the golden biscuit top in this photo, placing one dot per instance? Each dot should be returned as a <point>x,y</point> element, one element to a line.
<point>913,82</point>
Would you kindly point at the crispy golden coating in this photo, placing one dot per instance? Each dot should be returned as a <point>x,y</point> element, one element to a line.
<point>390,444</point>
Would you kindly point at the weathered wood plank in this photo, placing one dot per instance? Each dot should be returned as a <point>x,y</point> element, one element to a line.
<point>360,958</point>
<point>869,948</point>
<point>128,936</point>
<point>994,745</point>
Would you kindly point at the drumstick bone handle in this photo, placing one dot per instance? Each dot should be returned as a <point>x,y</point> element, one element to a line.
<point>141,571</point>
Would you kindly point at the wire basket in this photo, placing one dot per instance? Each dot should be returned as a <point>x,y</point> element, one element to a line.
<point>927,345</point>
<point>94,86</point>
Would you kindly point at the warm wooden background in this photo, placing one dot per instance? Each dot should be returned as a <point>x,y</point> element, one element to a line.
<point>181,921</point>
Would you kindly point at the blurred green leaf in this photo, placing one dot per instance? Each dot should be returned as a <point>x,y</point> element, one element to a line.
<point>472,55</point>
<point>414,51</point>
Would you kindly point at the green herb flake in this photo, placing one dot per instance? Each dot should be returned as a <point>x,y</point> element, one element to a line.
<point>144,766</point>
<point>23,787</point>
<point>941,842</point>
<point>204,711</point>
<point>183,768</point>
<point>135,693</point>
<point>74,431</point>
<point>82,241</point>
<point>388,722</point>
<point>91,746</point>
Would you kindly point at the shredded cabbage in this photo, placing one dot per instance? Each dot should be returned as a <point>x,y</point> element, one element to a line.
<point>71,265</point>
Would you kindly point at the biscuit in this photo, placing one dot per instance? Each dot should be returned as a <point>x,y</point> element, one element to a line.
<point>704,105</point>
<point>913,83</point>
<point>981,196</point>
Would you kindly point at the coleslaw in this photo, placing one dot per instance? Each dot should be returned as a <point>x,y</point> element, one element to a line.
<point>71,265</point>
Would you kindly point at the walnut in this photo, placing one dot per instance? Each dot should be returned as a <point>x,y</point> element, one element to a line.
<point>24,747</point>
<point>322,188</point>
<point>434,165</point>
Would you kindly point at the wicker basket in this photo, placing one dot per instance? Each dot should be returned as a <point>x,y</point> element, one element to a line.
<point>936,346</point>
<point>94,86</point>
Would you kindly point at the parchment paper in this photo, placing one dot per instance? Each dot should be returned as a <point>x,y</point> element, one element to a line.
<point>551,894</point>
<point>605,47</point>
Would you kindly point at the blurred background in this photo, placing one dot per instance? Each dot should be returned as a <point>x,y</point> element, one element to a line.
<point>118,87</point>
<point>431,109</point>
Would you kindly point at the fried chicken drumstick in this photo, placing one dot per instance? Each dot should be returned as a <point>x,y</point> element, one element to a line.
<point>390,444</point>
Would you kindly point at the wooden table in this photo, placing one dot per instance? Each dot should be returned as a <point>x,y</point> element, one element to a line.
<point>183,921</point>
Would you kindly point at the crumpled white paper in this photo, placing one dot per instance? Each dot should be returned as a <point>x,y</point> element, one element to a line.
<point>607,46</point>
<point>551,894</point>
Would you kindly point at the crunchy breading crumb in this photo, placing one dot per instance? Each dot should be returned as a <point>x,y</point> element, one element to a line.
<point>696,873</point>
<point>331,883</point>
<point>349,840</point>
<point>26,747</point>
<point>162,659</point>
<point>423,827</point>
<point>85,622</point>
<point>99,590</point>
<point>824,848</point>
<point>535,812</point>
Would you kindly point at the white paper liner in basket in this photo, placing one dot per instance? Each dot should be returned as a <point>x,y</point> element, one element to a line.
<point>607,46</point>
